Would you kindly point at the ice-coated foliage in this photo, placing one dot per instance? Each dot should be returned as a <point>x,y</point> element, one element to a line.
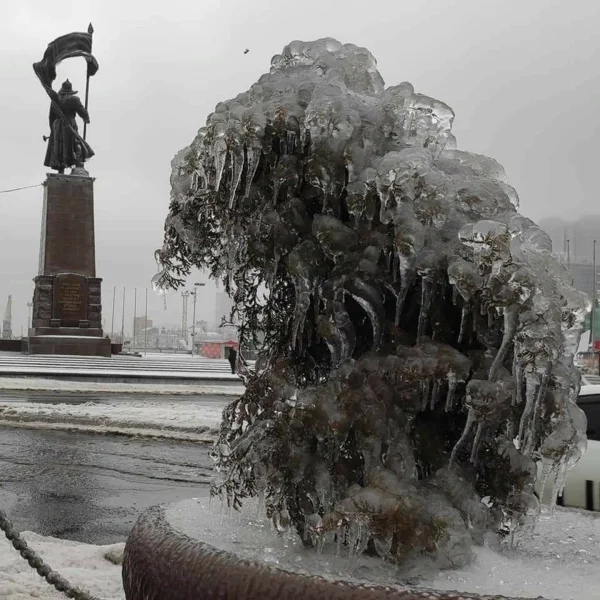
<point>418,334</point>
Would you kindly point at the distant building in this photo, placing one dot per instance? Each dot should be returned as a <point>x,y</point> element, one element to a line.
<point>140,323</point>
<point>214,345</point>
<point>7,320</point>
<point>583,278</point>
<point>575,238</point>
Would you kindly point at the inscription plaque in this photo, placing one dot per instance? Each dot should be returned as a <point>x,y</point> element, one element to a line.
<point>70,299</point>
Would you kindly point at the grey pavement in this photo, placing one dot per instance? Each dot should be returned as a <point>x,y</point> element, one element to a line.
<point>92,488</point>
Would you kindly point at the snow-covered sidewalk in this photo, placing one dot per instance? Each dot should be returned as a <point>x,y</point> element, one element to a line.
<point>84,387</point>
<point>192,420</point>
<point>82,565</point>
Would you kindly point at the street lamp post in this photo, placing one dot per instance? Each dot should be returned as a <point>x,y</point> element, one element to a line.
<point>195,294</point>
<point>112,320</point>
<point>123,321</point>
<point>593,315</point>
<point>146,326</point>
<point>134,315</point>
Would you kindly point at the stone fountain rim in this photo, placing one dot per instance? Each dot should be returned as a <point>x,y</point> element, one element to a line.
<point>154,547</point>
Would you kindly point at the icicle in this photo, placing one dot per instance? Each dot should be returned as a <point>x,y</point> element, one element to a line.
<point>426,293</point>
<point>320,544</point>
<point>510,427</point>
<point>406,277</point>
<point>237,158</point>
<point>477,441</point>
<point>561,479</point>
<point>435,394</point>
<point>370,300</point>
<point>541,393</point>
<point>290,142</point>
<point>465,434</point>
<point>302,306</point>
<point>558,484</point>
<point>530,388</point>
<point>518,374</point>
<point>253,155</point>
<point>463,321</point>
<point>452,384</point>
<point>276,188</point>
<point>260,507</point>
<point>400,298</point>
<point>547,467</point>
<point>276,259</point>
<point>426,388</point>
<point>220,157</point>
<point>510,327</point>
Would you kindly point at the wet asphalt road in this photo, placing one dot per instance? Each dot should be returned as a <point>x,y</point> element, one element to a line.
<point>91,488</point>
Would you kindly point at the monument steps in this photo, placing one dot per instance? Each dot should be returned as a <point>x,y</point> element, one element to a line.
<point>168,367</point>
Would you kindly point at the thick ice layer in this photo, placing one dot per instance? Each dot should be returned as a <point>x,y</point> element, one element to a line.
<point>559,561</point>
<point>418,334</point>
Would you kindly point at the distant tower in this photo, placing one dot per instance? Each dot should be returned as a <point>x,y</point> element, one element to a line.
<point>7,321</point>
<point>29,307</point>
<point>184,315</point>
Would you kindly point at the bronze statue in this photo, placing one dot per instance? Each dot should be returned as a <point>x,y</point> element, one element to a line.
<point>64,148</point>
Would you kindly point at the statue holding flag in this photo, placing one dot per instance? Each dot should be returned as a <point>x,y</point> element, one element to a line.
<point>66,147</point>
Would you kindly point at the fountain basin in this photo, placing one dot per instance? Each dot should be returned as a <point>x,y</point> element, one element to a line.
<point>188,550</point>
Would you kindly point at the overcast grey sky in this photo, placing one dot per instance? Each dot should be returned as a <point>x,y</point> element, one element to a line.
<point>521,76</point>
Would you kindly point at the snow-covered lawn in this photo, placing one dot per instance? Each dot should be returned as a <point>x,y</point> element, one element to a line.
<point>82,565</point>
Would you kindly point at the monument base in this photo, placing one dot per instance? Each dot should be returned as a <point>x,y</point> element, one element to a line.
<point>74,345</point>
<point>67,304</point>
<point>66,316</point>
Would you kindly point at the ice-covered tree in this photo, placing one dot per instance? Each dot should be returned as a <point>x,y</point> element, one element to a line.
<point>417,335</point>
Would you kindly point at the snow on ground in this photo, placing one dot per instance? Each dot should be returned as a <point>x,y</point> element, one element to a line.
<point>82,565</point>
<point>55,385</point>
<point>194,421</point>
<point>560,561</point>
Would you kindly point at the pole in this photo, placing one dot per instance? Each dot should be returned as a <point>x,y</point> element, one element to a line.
<point>195,292</point>
<point>112,321</point>
<point>87,83</point>
<point>194,319</point>
<point>134,315</point>
<point>146,326</point>
<point>123,320</point>
<point>593,317</point>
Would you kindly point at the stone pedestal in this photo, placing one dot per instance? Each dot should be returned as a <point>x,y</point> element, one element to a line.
<point>67,305</point>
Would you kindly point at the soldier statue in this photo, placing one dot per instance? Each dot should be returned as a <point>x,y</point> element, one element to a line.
<point>64,144</point>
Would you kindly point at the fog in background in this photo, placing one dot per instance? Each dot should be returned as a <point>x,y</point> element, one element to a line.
<point>522,77</point>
